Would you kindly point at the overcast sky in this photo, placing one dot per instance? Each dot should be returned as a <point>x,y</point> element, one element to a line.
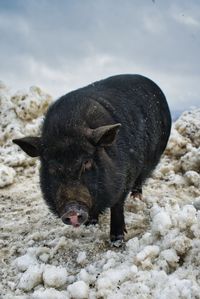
<point>61,45</point>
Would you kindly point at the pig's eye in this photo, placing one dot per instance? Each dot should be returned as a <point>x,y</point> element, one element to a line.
<point>87,165</point>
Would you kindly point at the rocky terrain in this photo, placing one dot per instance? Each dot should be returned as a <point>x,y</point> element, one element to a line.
<point>41,258</point>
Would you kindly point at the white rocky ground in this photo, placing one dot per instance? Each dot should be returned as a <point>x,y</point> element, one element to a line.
<point>41,258</point>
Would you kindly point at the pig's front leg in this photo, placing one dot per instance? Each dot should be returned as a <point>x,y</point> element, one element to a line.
<point>93,218</point>
<point>117,224</point>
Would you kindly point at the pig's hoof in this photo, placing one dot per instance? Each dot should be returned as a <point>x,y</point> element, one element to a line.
<point>136,194</point>
<point>117,241</point>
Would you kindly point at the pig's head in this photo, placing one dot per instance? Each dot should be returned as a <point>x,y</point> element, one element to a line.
<point>76,170</point>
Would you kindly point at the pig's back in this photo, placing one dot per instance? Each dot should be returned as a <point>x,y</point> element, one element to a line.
<point>141,107</point>
<point>139,104</point>
<point>132,100</point>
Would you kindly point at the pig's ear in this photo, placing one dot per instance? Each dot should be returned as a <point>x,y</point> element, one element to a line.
<point>30,145</point>
<point>105,135</point>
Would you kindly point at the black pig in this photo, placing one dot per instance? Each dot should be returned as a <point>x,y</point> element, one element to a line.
<point>98,144</point>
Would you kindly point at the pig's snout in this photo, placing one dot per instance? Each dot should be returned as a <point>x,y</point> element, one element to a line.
<point>75,215</point>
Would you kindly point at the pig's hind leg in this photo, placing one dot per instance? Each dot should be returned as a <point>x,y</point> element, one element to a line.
<point>136,191</point>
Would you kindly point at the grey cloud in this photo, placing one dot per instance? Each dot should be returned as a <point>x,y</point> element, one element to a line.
<point>62,45</point>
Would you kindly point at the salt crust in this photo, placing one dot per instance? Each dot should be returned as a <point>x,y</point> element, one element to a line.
<point>81,258</point>
<point>54,276</point>
<point>21,115</point>
<point>160,261</point>
<point>78,290</point>
<point>7,175</point>
<point>31,278</point>
<point>49,294</point>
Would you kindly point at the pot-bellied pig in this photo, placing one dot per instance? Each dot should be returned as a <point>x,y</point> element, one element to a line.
<point>99,143</point>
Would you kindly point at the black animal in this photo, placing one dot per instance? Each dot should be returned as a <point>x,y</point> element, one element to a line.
<point>99,143</point>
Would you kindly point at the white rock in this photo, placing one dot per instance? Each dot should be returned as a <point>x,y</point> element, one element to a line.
<point>193,178</point>
<point>170,256</point>
<point>31,278</point>
<point>175,179</point>
<point>44,257</point>
<point>84,275</point>
<point>54,276</point>
<point>20,115</point>
<point>188,125</point>
<point>134,269</point>
<point>7,175</point>
<point>78,290</point>
<point>186,216</point>
<point>81,258</point>
<point>150,251</point>
<point>110,278</point>
<point>24,262</point>
<point>196,227</point>
<point>177,144</point>
<point>182,244</point>
<point>49,294</point>
<point>196,203</point>
<point>161,222</point>
<point>191,160</point>
<point>34,127</point>
<point>31,105</point>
